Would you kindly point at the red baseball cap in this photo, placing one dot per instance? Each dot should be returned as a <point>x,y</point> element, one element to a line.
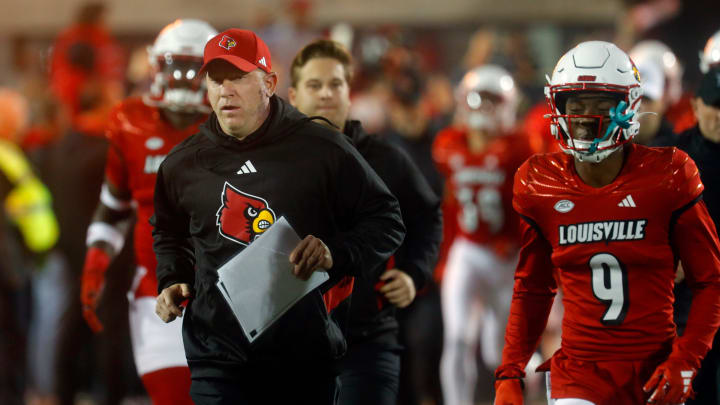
<point>242,48</point>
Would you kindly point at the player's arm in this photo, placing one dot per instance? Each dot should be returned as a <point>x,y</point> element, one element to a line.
<point>695,242</point>
<point>111,220</point>
<point>105,235</point>
<point>176,258</point>
<point>416,257</point>
<point>533,295</point>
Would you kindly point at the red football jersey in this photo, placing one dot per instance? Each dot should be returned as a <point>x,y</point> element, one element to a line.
<point>681,115</point>
<point>615,249</point>
<point>479,186</point>
<point>537,128</point>
<point>139,141</point>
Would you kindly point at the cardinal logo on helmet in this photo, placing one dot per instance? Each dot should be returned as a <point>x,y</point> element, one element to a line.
<point>242,217</point>
<point>227,42</point>
<point>635,70</point>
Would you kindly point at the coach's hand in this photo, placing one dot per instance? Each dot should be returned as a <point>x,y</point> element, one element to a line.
<point>508,392</point>
<point>671,383</point>
<point>168,302</point>
<point>309,255</point>
<point>399,288</point>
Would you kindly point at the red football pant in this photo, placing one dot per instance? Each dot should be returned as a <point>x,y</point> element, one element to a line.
<point>600,382</point>
<point>168,386</point>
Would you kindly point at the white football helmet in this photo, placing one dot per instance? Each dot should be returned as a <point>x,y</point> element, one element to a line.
<point>657,53</point>
<point>710,56</point>
<point>176,57</point>
<point>487,99</point>
<point>594,66</point>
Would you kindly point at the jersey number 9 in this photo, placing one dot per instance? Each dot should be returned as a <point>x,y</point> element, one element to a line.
<point>609,285</point>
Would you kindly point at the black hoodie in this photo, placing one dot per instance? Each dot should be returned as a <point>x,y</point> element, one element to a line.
<point>370,314</point>
<point>209,190</point>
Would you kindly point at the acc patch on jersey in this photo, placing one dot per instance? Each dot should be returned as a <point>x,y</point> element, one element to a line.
<point>242,217</point>
<point>154,143</point>
<point>564,206</point>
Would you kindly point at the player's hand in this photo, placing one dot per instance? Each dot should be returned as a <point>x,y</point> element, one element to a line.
<point>168,302</point>
<point>97,261</point>
<point>508,392</point>
<point>309,255</point>
<point>671,383</point>
<point>399,288</point>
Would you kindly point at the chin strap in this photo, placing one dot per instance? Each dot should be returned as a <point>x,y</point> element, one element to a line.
<point>618,119</point>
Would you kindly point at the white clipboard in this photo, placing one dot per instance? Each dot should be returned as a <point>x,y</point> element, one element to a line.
<point>258,283</point>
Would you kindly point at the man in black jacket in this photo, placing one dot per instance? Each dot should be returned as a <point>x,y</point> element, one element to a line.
<point>702,144</point>
<point>320,74</point>
<point>257,159</point>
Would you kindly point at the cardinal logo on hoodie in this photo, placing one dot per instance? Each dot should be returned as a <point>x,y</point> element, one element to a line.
<point>243,217</point>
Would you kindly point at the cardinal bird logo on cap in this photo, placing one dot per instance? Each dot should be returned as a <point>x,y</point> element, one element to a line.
<point>227,42</point>
<point>242,217</point>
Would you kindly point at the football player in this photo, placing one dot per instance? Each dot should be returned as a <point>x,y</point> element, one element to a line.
<point>661,75</point>
<point>614,218</point>
<point>478,156</point>
<point>141,132</point>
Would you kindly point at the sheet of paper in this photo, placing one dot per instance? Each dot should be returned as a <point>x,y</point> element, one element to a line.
<point>258,283</point>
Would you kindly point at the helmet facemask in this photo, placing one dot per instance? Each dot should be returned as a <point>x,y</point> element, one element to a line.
<point>487,100</point>
<point>611,130</point>
<point>482,111</point>
<point>177,85</point>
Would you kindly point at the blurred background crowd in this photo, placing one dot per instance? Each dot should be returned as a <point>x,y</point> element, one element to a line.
<point>63,65</point>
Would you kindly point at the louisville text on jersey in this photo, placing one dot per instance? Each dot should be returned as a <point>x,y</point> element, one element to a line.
<point>474,175</point>
<point>604,231</point>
